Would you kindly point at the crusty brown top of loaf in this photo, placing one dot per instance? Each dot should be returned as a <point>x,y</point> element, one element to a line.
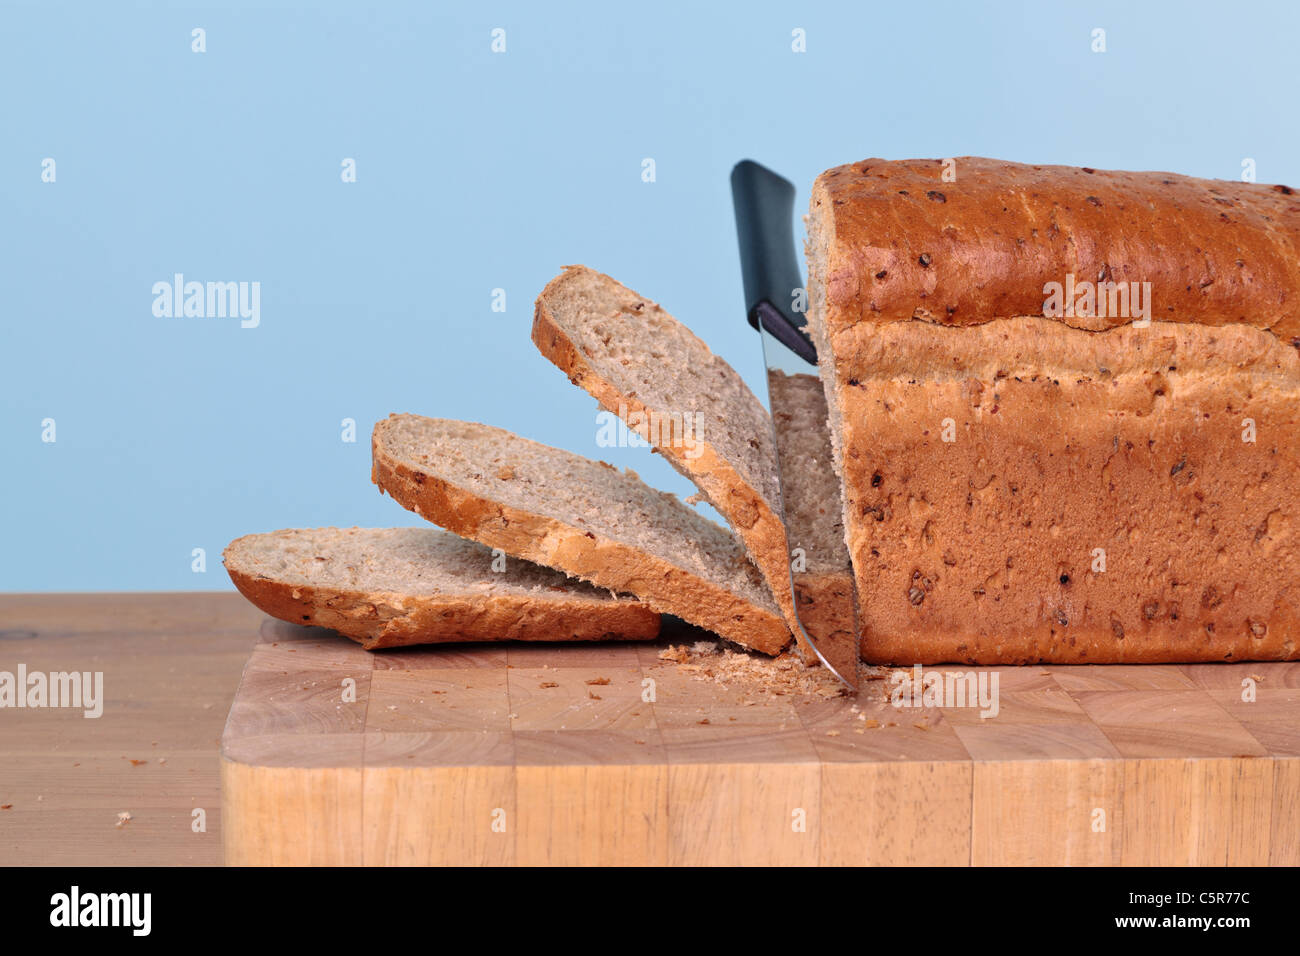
<point>904,244</point>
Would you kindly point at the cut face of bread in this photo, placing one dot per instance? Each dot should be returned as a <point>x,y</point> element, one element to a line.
<point>646,367</point>
<point>583,517</point>
<point>396,586</point>
<point>822,573</point>
<point>810,489</point>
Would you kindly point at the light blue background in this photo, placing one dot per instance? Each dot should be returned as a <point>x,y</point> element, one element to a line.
<point>476,171</point>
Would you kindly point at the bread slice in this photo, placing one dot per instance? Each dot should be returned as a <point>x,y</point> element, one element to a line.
<point>810,490</point>
<point>646,367</point>
<point>583,517</point>
<point>395,586</point>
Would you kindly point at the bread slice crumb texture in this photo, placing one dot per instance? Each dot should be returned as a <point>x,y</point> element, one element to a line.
<point>583,517</point>
<point>644,365</point>
<point>387,587</point>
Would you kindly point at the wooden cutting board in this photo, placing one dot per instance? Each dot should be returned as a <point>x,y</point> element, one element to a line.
<point>605,754</point>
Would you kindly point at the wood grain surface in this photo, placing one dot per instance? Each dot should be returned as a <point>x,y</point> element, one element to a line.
<point>508,754</point>
<point>605,754</point>
<point>171,664</point>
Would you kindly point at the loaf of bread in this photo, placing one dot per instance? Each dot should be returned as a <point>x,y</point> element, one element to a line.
<point>1065,410</point>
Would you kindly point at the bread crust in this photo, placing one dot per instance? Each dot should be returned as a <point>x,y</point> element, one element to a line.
<point>759,528</point>
<point>906,244</point>
<point>377,619</point>
<point>582,554</point>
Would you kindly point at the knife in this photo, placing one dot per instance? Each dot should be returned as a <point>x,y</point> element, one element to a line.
<point>775,297</point>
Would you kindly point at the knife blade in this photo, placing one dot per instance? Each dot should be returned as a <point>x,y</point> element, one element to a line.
<point>821,576</point>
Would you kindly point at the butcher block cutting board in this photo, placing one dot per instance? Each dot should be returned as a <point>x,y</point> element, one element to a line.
<point>608,754</point>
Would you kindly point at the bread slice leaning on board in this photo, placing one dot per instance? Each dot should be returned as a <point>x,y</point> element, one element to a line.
<point>643,365</point>
<point>389,587</point>
<point>1027,477</point>
<point>580,516</point>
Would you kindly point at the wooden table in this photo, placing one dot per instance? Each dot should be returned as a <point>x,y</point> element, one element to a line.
<point>513,754</point>
<point>171,664</point>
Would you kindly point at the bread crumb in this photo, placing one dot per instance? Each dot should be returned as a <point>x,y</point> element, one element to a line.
<point>757,676</point>
<point>871,723</point>
<point>832,733</point>
<point>548,683</point>
<point>598,681</point>
<point>123,819</point>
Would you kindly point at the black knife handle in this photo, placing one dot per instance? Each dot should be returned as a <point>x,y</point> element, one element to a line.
<point>769,263</point>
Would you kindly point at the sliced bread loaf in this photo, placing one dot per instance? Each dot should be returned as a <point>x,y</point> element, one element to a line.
<point>395,586</point>
<point>646,367</point>
<point>583,517</point>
